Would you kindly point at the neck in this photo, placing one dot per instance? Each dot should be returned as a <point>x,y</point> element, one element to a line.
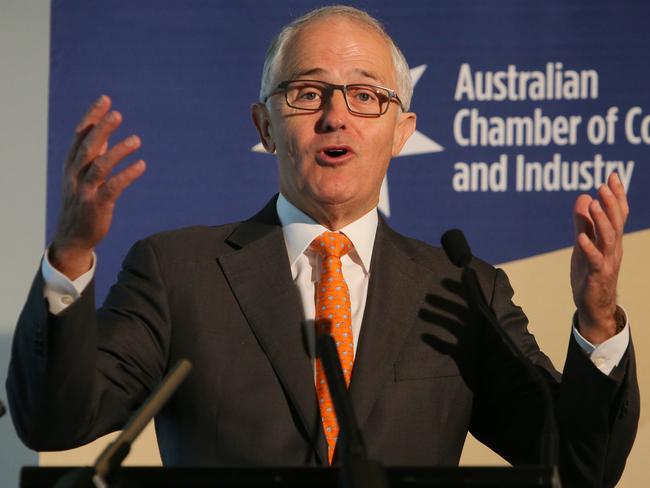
<point>333,217</point>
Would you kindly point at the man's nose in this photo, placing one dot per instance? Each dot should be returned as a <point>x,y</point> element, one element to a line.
<point>335,112</point>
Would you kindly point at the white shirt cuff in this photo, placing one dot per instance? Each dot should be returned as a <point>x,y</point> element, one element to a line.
<point>607,355</point>
<point>60,291</point>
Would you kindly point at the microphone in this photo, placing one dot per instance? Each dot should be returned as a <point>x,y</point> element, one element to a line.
<point>358,471</point>
<point>350,438</point>
<point>113,455</point>
<point>456,247</point>
<point>460,254</point>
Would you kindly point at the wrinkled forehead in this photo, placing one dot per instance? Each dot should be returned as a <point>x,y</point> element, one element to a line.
<point>339,50</point>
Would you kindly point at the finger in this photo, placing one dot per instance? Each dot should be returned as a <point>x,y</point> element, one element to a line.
<point>74,147</point>
<point>100,168</point>
<point>616,186</point>
<point>114,187</point>
<point>582,221</point>
<point>97,139</point>
<point>612,209</point>
<point>594,257</point>
<point>94,114</point>
<point>605,234</point>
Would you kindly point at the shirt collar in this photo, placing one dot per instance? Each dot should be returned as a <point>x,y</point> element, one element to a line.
<point>300,230</point>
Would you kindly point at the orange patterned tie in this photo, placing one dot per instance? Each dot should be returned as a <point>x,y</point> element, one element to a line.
<point>333,316</point>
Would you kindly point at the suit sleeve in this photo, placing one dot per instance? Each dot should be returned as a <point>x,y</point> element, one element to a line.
<point>80,374</point>
<point>597,414</point>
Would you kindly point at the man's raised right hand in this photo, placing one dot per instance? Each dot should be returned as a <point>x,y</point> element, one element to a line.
<point>90,190</point>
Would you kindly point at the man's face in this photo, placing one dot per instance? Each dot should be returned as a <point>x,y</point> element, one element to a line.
<point>331,162</point>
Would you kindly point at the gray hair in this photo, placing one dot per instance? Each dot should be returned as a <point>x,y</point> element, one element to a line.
<point>276,50</point>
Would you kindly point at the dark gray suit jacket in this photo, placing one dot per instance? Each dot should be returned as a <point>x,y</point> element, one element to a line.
<point>426,372</point>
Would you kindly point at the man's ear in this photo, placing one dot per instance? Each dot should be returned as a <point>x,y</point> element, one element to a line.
<point>403,130</point>
<point>262,121</point>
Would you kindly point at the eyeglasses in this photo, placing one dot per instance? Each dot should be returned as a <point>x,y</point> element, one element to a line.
<point>361,99</point>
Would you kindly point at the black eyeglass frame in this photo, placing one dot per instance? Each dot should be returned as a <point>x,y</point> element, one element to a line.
<point>282,87</point>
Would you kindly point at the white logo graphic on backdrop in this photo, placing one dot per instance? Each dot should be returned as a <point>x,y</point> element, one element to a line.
<point>418,143</point>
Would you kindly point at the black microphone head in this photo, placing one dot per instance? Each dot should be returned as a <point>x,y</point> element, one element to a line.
<point>455,245</point>
<point>312,332</point>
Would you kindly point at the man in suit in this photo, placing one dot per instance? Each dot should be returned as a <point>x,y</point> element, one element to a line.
<point>334,108</point>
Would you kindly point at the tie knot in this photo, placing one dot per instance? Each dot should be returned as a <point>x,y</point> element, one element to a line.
<point>332,244</point>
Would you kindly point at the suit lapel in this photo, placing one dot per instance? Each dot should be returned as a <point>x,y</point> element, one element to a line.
<point>395,294</point>
<point>259,275</point>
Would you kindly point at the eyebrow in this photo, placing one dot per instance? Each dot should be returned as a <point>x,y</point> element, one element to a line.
<point>318,71</point>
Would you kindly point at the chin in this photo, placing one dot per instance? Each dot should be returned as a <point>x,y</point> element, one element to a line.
<point>335,196</point>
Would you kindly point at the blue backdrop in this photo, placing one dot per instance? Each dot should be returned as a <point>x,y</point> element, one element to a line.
<point>184,75</point>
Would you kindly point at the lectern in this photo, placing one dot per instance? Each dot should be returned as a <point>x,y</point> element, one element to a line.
<point>421,477</point>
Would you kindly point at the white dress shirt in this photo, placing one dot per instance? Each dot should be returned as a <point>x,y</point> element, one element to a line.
<point>299,231</point>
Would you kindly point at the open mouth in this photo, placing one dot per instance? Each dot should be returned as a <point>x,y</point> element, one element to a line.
<point>336,153</point>
<point>332,154</point>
